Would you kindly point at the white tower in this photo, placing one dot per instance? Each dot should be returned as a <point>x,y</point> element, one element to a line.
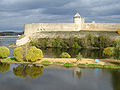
<point>77,18</point>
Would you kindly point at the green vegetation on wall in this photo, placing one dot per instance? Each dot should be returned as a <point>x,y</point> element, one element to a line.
<point>89,41</point>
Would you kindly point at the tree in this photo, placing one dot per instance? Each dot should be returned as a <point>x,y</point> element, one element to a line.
<point>4,52</point>
<point>34,54</point>
<point>116,53</point>
<point>18,53</point>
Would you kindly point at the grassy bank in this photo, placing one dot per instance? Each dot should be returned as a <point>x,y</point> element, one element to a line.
<point>66,62</point>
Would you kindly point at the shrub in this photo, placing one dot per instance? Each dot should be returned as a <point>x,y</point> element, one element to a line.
<point>118,31</point>
<point>65,55</point>
<point>108,51</point>
<point>79,56</point>
<point>18,53</point>
<point>34,54</point>
<point>32,43</point>
<point>104,41</point>
<point>4,52</point>
<point>75,45</point>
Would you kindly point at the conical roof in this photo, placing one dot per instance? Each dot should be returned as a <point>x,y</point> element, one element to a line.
<point>77,15</point>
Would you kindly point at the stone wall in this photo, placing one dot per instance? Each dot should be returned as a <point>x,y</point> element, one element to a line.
<point>40,27</point>
<point>101,26</point>
<point>72,34</point>
<point>22,41</point>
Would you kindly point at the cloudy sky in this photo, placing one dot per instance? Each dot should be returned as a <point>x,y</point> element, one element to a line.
<point>15,13</point>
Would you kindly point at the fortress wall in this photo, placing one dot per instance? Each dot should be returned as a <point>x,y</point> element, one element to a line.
<point>27,29</point>
<point>69,34</point>
<point>38,27</point>
<point>101,26</point>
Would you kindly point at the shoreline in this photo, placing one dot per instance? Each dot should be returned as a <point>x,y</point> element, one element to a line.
<point>69,62</point>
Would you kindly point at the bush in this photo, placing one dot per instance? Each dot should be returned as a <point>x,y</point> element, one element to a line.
<point>79,56</point>
<point>4,52</point>
<point>108,51</point>
<point>104,41</point>
<point>65,55</point>
<point>18,53</point>
<point>34,54</point>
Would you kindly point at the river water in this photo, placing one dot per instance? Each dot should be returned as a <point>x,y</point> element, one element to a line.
<point>23,77</point>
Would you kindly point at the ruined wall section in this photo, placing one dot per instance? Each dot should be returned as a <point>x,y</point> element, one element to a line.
<point>100,26</point>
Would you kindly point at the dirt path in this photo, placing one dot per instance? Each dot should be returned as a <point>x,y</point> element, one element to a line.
<point>71,60</point>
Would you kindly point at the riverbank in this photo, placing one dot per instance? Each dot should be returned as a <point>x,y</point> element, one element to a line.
<point>70,62</point>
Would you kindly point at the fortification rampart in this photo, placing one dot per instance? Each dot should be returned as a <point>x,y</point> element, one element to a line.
<point>40,27</point>
<point>101,26</point>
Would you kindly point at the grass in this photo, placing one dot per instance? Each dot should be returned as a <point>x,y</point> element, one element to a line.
<point>108,65</point>
<point>10,60</point>
<point>68,64</point>
<point>14,61</point>
<point>58,63</point>
<point>45,62</point>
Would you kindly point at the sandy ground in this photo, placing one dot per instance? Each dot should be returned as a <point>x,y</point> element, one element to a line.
<point>71,60</point>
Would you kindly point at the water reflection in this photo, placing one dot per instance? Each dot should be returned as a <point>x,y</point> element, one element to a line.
<point>4,67</point>
<point>26,70</point>
<point>77,72</point>
<point>56,77</point>
<point>86,53</point>
<point>115,79</point>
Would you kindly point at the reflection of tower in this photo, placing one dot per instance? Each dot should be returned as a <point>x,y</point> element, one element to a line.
<point>27,79</point>
<point>77,72</point>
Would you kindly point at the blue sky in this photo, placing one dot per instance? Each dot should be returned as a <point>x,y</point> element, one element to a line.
<point>15,13</point>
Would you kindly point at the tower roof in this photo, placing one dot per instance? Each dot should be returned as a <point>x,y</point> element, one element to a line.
<point>77,15</point>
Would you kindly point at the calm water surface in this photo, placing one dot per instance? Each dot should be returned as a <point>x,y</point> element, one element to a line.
<point>28,77</point>
<point>23,77</point>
